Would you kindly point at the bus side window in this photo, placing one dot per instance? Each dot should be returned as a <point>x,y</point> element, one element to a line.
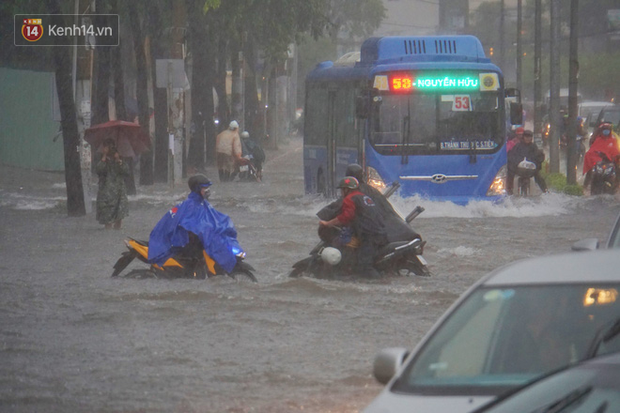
<point>362,109</point>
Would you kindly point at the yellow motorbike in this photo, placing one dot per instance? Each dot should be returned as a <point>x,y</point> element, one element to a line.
<point>192,262</point>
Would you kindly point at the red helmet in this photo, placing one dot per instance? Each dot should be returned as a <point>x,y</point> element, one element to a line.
<point>519,130</point>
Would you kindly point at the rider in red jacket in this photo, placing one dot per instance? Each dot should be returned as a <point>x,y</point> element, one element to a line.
<point>361,213</point>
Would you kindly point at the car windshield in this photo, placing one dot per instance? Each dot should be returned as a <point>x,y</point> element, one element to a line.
<point>583,389</point>
<point>434,123</point>
<point>610,115</point>
<point>500,338</point>
<point>585,111</point>
<point>614,236</point>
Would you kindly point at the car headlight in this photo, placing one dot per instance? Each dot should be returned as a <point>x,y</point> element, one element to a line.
<point>498,187</point>
<point>375,180</point>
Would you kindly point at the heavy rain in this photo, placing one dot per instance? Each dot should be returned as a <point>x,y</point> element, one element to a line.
<point>72,338</point>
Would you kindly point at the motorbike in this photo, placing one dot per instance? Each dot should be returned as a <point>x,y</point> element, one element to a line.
<point>186,263</point>
<point>603,180</point>
<point>255,156</point>
<point>525,172</point>
<point>402,254</point>
<point>249,172</point>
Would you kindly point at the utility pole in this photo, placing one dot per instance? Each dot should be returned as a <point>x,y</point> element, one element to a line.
<point>519,45</point>
<point>573,85</point>
<point>537,68</point>
<point>502,52</point>
<point>554,88</point>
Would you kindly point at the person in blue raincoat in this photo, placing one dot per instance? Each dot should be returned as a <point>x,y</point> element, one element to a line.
<point>195,223</point>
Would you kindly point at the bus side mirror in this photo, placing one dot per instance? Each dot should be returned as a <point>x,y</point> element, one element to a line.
<point>516,113</point>
<point>362,109</point>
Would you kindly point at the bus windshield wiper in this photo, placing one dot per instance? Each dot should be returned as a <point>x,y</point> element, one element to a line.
<point>406,132</point>
<point>557,406</point>
<point>605,333</point>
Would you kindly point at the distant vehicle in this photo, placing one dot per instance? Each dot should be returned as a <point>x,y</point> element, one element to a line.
<point>515,325</point>
<point>590,244</point>
<point>610,114</point>
<point>428,111</point>
<point>588,387</point>
<point>588,107</point>
<point>563,98</point>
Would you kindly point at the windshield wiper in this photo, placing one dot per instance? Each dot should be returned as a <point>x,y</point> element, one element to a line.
<point>605,333</point>
<point>569,400</point>
<point>406,133</point>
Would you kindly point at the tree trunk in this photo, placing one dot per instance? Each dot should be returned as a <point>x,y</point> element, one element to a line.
<point>119,98</point>
<point>573,86</point>
<point>70,134</point>
<point>223,110</point>
<point>146,159</point>
<point>210,81</point>
<point>236,85</point>
<point>555,117</point>
<point>253,116</point>
<point>159,97</point>
<point>101,84</point>
<point>197,36</point>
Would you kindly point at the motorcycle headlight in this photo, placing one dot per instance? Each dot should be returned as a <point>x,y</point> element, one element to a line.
<point>498,187</point>
<point>238,252</point>
<point>375,180</point>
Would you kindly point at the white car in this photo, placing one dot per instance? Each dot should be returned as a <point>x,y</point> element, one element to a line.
<point>588,387</point>
<point>513,326</point>
<point>590,244</point>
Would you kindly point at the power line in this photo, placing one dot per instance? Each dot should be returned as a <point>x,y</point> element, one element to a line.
<point>407,25</point>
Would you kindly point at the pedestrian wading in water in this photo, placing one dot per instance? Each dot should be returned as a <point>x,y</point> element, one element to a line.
<point>112,204</point>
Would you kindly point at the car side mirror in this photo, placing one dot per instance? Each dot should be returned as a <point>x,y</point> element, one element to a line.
<point>516,113</point>
<point>587,244</point>
<point>388,362</point>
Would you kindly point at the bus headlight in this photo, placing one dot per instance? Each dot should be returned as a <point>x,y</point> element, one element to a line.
<point>498,187</point>
<point>375,180</point>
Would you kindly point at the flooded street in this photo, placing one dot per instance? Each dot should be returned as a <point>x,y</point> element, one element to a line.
<point>72,339</point>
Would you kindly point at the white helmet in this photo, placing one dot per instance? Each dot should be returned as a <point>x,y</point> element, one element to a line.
<point>245,134</point>
<point>233,125</point>
<point>331,256</point>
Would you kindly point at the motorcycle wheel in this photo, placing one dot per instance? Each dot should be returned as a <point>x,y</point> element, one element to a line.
<point>141,274</point>
<point>296,273</point>
<point>597,187</point>
<point>418,268</point>
<point>301,267</point>
<point>524,186</point>
<point>243,275</point>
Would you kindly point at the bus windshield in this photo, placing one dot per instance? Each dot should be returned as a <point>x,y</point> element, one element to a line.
<point>436,123</point>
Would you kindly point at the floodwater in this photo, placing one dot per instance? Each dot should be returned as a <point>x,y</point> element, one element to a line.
<point>73,339</point>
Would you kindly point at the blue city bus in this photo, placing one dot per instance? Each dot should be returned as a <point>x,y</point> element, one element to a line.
<point>428,112</point>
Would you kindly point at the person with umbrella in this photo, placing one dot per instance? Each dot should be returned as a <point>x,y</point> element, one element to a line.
<point>112,203</point>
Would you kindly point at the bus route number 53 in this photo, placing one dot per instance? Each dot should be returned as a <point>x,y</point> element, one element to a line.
<point>461,103</point>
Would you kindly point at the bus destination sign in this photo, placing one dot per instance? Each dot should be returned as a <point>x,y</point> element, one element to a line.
<point>408,82</point>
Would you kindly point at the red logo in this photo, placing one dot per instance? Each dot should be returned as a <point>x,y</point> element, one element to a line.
<point>32,29</point>
<point>173,211</point>
<point>368,201</point>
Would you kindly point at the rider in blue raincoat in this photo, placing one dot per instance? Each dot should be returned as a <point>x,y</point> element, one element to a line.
<point>195,219</point>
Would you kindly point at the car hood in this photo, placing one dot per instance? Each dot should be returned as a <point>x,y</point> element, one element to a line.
<point>389,402</point>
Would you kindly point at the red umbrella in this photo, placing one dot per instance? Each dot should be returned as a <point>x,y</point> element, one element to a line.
<point>129,137</point>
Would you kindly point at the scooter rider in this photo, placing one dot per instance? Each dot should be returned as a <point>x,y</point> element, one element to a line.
<point>194,225</point>
<point>356,171</point>
<point>604,142</point>
<point>396,227</point>
<point>526,149</point>
<point>362,214</point>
